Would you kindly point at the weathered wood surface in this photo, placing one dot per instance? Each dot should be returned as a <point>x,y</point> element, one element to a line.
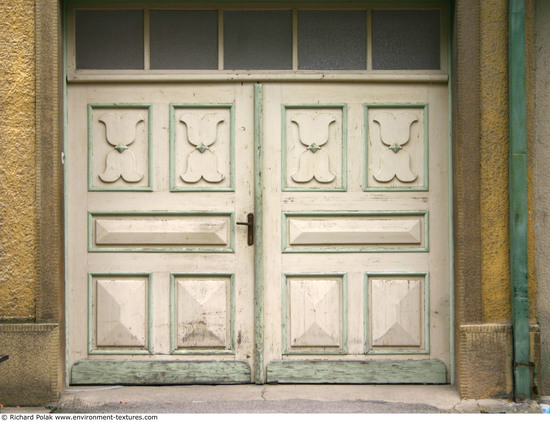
<point>356,226</point>
<point>357,372</point>
<point>135,372</point>
<point>132,234</point>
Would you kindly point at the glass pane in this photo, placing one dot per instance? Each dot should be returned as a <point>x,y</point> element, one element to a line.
<point>405,39</point>
<point>109,39</point>
<point>258,40</point>
<point>184,39</point>
<point>332,40</point>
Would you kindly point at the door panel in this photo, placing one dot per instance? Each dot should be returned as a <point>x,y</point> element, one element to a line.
<point>355,234</point>
<point>158,272</point>
<point>357,239</point>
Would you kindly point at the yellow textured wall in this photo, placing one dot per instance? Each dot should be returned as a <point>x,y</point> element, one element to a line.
<point>17,161</point>
<point>494,161</point>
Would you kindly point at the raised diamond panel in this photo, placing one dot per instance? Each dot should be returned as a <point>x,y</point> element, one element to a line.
<point>314,319</point>
<point>396,312</point>
<point>203,318</point>
<point>120,312</point>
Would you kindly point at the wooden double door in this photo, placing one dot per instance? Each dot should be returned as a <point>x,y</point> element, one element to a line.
<point>275,232</point>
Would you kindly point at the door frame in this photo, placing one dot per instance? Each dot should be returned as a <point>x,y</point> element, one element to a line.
<point>51,86</point>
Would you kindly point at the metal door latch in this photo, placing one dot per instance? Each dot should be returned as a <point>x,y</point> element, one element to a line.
<point>250,223</point>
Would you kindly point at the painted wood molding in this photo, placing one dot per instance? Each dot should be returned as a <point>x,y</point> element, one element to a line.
<point>357,372</point>
<point>136,372</point>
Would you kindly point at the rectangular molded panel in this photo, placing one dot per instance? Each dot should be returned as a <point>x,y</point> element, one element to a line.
<point>119,314</point>
<point>315,314</point>
<point>202,314</point>
<point>349,232</point>
<point>397,313</point>
<point>160,232</point>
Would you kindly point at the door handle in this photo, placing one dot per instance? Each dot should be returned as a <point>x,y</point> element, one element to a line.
<point>250,223</point>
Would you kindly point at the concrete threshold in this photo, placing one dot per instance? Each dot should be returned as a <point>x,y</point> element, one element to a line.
<point>262,399</point>
<point>379,399</point>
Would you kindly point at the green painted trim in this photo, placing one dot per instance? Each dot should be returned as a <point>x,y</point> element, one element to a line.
<point>344,169</point>
<point>519,274</point>
<point>158,372</point>
<point>344,316</point>
<point>90,313</point>
<point>259,373</point>
<point>425,186</point>
<point>397,350</point>
<point>231,108</point>
<point>114,351</point>
<point>66,289</point>
<point>377,371</point>
<point>149,107</point>
<point>330,249</point>
<point>173,321</point>
<point>230,249</point>
<point>447,17</point>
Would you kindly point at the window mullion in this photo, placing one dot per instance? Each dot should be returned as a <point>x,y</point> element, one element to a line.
<point>220,40</point>
<point>369,39</point>
<point>147,39</point>
<point>294,39</point>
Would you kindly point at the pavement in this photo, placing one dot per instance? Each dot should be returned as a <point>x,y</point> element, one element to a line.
<point>289,399</point>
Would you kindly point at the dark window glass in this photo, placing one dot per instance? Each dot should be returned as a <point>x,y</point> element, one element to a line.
<point>332,40</point>
<point>405,39</point>
<point>184,39</point>
<point>109,39</point>
<point>258,40</point>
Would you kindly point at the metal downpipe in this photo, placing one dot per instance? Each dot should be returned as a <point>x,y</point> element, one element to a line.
<point>518,199</point>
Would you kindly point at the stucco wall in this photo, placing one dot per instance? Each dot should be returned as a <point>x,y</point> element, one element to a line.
<point>542,183</point>
<point>18,243</point>
<point>30,188</point>
<point>495,261</point>
<point>495,264</point>
<point>481,186</point>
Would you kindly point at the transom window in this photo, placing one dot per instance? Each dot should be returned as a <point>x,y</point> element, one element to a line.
<point>285,40</point>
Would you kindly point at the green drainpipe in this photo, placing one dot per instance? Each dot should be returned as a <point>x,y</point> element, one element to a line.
<point>518,199</point>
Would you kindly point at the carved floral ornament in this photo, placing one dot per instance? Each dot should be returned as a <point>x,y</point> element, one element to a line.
<point>202,133</point>
<point>395,162</point>
<point>120,132</point>
<point>313,133</point>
